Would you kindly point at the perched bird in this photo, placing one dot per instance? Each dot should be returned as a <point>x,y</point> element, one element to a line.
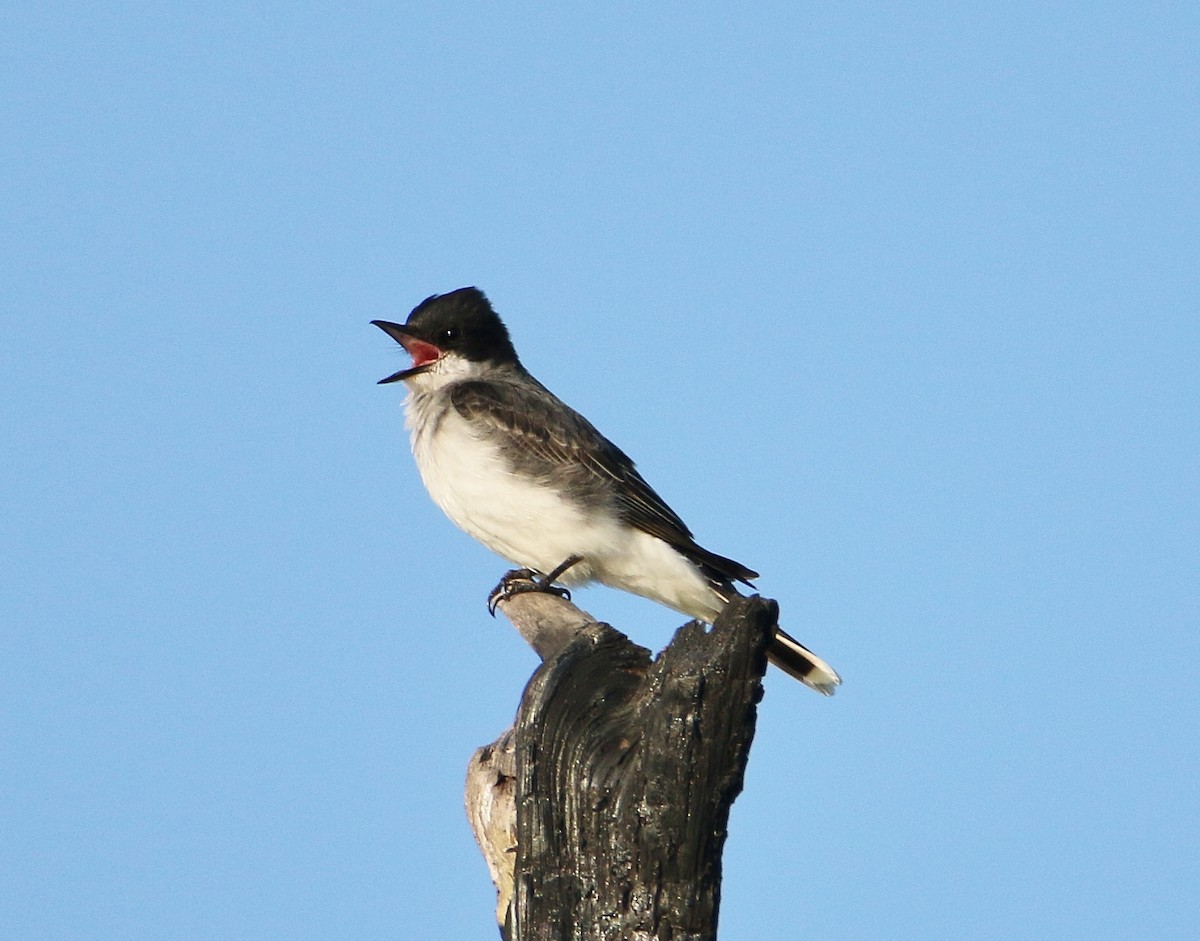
<point>535,482</point>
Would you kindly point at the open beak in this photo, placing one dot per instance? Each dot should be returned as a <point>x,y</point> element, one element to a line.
<point>424,355</point>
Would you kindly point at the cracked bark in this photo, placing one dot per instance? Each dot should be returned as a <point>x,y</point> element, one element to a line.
<point>603,811</point>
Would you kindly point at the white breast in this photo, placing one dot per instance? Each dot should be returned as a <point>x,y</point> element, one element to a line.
<point>527,524</point>
<point>532,525</point>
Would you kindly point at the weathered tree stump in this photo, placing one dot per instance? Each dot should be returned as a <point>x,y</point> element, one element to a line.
<point>602,812</point>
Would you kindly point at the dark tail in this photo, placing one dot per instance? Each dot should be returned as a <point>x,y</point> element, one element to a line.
<point>785,652</point>
<point>795,659</point>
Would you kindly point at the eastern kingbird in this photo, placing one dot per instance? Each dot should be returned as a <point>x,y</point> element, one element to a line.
<point>532,480</point>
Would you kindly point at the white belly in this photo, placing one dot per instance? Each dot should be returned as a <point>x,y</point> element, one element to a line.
<point>535,527</point>
<point>527,524</point>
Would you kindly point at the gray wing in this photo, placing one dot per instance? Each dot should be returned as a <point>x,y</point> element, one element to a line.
<point>547,438</point>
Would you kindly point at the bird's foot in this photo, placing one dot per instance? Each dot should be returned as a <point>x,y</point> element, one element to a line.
<point>519,581</point>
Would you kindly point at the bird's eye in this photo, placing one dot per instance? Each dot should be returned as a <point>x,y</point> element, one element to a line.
<point>450,334</point>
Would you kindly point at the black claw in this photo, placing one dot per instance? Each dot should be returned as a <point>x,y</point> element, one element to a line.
<point>508,587</point>
<point>519,581</point>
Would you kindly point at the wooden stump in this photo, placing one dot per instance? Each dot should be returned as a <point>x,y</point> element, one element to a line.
<point>603,811</point>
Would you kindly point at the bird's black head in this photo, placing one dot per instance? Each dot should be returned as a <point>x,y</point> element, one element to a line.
<point>460,323</point>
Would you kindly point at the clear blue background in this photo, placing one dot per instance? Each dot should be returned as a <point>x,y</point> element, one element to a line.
<point>895,303</point>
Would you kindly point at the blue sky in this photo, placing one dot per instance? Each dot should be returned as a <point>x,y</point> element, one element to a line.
<point>897,304</point>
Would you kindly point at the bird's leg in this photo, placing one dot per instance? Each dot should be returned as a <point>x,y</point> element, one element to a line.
<point>558,572</point>
<point>519,581</point>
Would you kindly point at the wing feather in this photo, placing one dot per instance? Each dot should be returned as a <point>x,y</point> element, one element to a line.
<point>545,437</point>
